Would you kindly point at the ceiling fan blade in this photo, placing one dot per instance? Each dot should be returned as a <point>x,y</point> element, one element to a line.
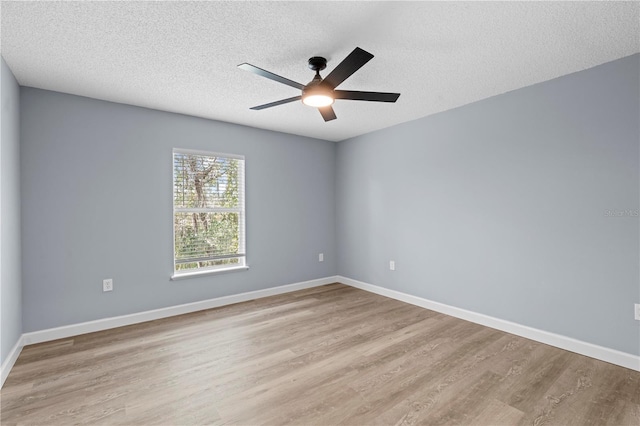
<point>276,103</point>
<point>270,75</point>
<point>355,95</point>
<point>352,63</point>
<point>327,113</point>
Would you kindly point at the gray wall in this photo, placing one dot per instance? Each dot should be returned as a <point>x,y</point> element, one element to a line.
<point>500,207</point>
<point>97,203</point>
<point>10,266</point>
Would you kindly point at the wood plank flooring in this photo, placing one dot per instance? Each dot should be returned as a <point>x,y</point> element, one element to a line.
<point>324,356</point>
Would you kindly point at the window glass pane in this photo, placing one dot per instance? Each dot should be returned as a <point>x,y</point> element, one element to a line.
<point>202,181</point>
<point>201,236</point>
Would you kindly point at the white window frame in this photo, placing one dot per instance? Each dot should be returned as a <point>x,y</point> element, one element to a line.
<point>242,265</point>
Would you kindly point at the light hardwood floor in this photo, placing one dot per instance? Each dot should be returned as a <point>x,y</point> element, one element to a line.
<point>326,355</point>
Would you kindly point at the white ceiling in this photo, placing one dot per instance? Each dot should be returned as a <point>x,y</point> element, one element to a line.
<point>183,56</point>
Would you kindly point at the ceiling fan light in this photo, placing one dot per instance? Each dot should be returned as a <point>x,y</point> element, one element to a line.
<point>317,100</point>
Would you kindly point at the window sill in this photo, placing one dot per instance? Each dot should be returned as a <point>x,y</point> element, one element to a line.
<point>195,274</point>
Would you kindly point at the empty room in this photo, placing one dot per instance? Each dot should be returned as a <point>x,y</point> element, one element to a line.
<point>319,213</point>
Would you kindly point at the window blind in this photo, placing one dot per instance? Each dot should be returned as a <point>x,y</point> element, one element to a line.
<point>208,210</point>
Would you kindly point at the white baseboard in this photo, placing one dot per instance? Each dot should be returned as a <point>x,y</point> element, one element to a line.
<point>120,321</point>
<point>612,356</point>
<point>8,363</point>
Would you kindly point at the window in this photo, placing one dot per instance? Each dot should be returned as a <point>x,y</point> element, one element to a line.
<point>208,212</point>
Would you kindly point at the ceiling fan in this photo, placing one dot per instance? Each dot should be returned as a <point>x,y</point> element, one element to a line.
<point>320,92</point>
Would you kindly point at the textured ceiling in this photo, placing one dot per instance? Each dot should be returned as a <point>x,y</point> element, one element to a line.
<point>183,56</point>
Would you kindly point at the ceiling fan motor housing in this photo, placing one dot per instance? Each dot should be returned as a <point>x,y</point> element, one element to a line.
<point>315,92</point>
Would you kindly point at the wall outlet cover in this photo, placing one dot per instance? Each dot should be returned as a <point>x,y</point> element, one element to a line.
<point>107,285</point>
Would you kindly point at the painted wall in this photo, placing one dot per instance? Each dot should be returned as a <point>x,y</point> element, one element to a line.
<point>523,206</point>
<point>10,264</point>
<point>97,203</point>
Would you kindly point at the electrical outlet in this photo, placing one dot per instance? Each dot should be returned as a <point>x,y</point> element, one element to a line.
<point>321,257</point>
<point>637,305</point>
<point>107,285</point>
<point>392,265</point>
